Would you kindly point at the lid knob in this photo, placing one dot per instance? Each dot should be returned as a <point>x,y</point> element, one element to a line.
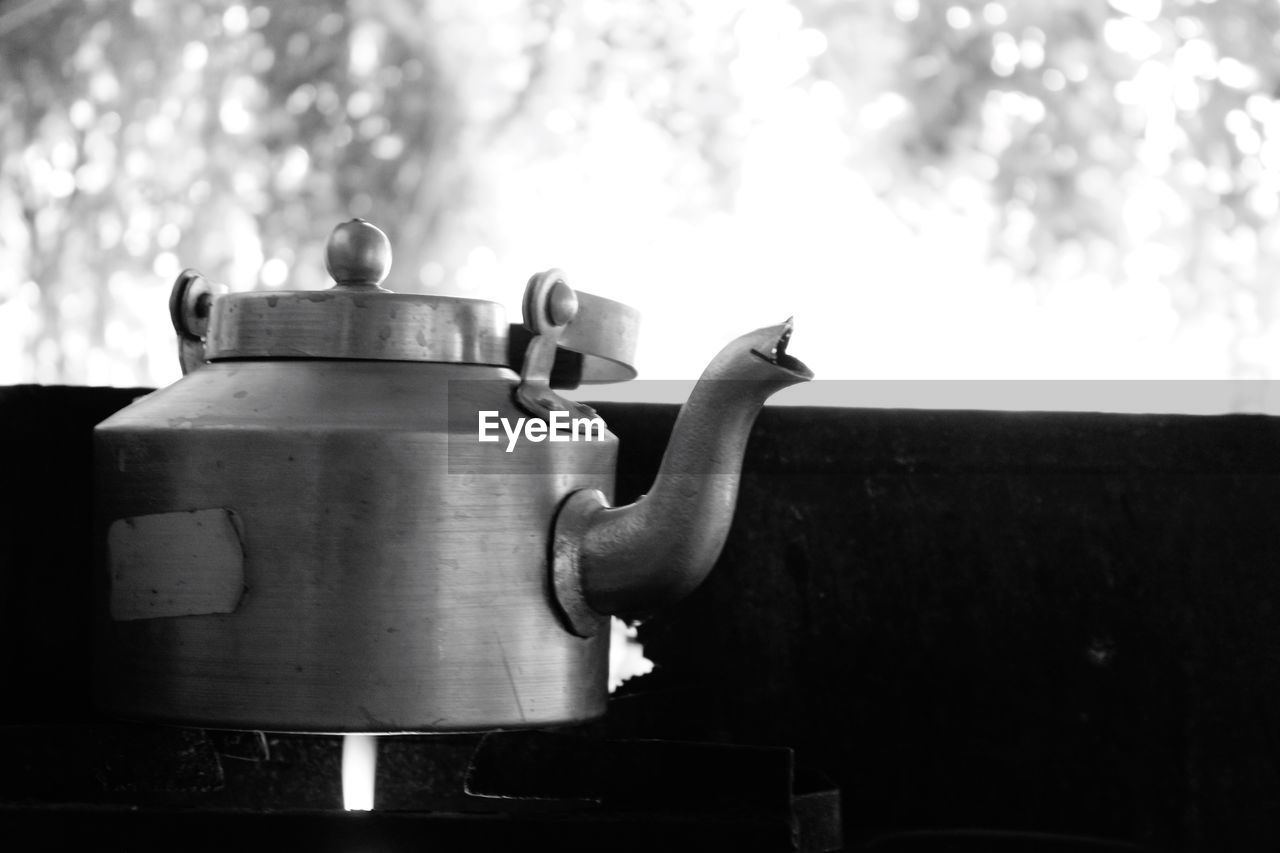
<point>358,255</point>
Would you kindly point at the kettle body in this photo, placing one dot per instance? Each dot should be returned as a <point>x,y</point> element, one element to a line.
<point>304,545</point>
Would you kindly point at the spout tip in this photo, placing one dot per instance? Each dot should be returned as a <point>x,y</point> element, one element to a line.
<point>773,349</point>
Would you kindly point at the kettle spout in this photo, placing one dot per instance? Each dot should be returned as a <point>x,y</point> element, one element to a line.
<point>630,561</point>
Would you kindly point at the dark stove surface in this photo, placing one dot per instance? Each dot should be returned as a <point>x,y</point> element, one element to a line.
<point>161,788</point>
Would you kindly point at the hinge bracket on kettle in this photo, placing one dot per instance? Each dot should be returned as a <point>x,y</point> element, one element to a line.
<point>190,302</point>
<point>550,305</point>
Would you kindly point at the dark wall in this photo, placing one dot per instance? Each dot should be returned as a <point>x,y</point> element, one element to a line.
<point>1042,622</point>
<point>1046,622</point>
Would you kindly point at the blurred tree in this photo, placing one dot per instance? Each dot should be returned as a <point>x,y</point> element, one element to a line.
<point>138,134</point>
<point>1134,142</point>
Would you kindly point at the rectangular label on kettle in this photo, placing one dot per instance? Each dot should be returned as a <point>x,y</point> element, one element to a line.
<point>175,564</point>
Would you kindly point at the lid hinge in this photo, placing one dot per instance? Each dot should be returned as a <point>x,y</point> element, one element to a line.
<point>550,305</point>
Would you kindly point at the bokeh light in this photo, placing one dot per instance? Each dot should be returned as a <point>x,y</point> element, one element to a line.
<point>936,191</point>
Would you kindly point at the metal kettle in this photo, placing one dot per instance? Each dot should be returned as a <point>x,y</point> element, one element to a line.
<point>329,524</point>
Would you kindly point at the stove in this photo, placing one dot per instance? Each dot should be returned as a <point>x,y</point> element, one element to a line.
<point>157,787</point>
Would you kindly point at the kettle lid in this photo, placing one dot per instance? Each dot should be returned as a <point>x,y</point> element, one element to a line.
<point>359,319</point>
<point>356,318</point>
